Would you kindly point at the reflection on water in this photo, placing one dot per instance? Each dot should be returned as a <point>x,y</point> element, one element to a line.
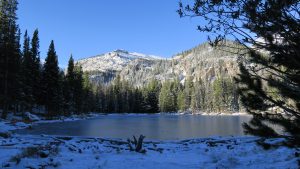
<point>154,127</point>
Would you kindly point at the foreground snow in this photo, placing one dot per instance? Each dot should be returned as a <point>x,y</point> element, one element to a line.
<point>25,151</point>
<point>75,152</point>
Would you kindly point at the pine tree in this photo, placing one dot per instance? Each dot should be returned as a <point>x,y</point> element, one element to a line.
<point>52,83</point>
<point>274,58</point>
<point>69,87</point>
<point>31,72</point>
<point>78,88</point>
<point>195,98</point>
<point>188,87</point>
<point>88,104</point>
<point>125,98</point>
<point>117,94</point>
<point>9,56</point>
<point>138,101</point>
<point>66,96</point>
<point>27,76</point>
<point>100,98</point>
<point>36,68</point>
<point>168,97</point>
<point>151,96</point>
<point>181,101</point>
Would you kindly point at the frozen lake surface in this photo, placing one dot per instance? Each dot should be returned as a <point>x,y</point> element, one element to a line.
<point>154,127</point>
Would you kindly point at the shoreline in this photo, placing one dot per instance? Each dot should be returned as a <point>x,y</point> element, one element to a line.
<point>16,122</point>
<point>76,152</point>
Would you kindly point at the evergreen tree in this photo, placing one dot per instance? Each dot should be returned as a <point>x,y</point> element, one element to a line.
<point>188,87</point>
<point>138,101</point>
<point>69,87</point>
<point>196,97</point>
<point>9,56</point>
<point>27,76</point>
<point>125,97</point>
<point>52,83</point>
<point>151,96</point>
<point>78,88</point>
<point>66,97</point>
<point>168,97</point>
<point>274,58</point>
<point>88,104</point>
<point>181,101</point>
<point>36,69</point>
<point>223,94</point>
<point>116,95</point>
<point>100,98</point>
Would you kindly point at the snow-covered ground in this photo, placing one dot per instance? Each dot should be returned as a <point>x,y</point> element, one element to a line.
<point>6,126</point>
<point>90,153</point>
<point>42,151</point>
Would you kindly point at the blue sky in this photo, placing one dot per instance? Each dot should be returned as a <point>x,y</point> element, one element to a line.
<point>90,27</point>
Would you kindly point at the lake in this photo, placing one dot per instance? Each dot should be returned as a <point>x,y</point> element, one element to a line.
<point>154,127</point>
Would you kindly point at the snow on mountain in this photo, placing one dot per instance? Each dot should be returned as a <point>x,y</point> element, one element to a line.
<point>112,61</point>
<point>202,62</point>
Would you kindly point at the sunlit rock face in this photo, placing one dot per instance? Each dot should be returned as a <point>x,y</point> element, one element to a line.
<point>200,63</point>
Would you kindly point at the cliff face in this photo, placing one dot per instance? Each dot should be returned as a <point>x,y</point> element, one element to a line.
<point>202,62</point>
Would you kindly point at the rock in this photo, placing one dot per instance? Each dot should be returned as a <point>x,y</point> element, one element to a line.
<point>6,165</point>
<point>44,154</point>
<point>31,117</point>
<point>5,134</point>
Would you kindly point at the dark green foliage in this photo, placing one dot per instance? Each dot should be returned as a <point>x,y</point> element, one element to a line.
<point>27,76</point>
<point>181,101</point>
<point>269,79</point>
<point>9,56</point>
<point>168,96</point>
<point>89,102</point>
<point>151,95</point>
<point>36,70</point>
<point>52,83</point>
<point>26,85</point>
<point>78,88</point>
<point>171,96</point>
<point>30,75</point>
<point>224,94</point>
<point>73,88</point>
<point>120,97</point>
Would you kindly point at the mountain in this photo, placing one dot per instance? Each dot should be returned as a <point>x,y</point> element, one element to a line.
<point>112,61</point>
<point>199,63</point>
<point>103,68</point>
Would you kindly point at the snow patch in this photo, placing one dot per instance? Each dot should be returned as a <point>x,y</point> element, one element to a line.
<point>211,153</point>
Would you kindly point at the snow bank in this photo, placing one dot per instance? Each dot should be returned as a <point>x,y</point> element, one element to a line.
<point>31,117</point>
<point>6,126</point>
<point>75,152</point>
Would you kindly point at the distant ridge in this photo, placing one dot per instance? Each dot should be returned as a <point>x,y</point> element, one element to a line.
<point>201,62</point>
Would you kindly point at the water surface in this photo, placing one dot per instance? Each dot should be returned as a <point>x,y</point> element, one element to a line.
<point>154,127</point>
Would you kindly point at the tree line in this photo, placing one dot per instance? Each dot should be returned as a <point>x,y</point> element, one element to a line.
<point>29,85</point>
<point>169,96</point>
